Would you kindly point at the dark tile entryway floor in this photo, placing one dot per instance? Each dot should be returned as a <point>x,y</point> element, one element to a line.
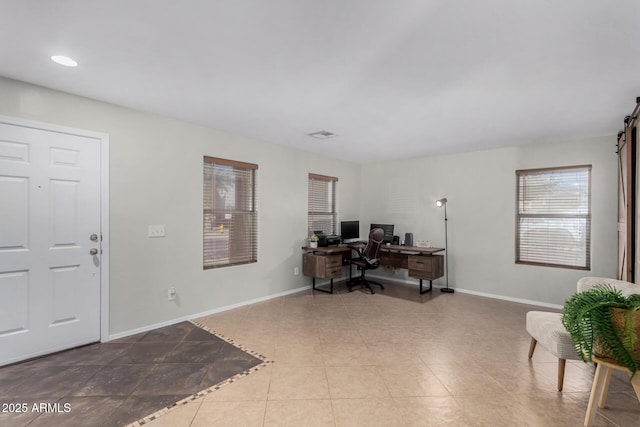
<point>118,382</point>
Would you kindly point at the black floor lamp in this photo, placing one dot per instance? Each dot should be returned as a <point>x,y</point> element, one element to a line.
<point>440,203</point>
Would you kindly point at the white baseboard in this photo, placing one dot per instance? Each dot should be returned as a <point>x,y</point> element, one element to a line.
<point>318,283</point>
<point>511,299</point>
<point>477,293</point>
<point>202,314</point>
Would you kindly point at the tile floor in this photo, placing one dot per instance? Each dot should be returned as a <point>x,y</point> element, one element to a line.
<point>119,382</point>
<point>395,358</point>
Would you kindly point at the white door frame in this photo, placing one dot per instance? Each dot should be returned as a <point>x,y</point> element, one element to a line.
<point>104,204</point>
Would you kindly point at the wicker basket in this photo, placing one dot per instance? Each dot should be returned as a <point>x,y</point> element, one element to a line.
<point>617,316</point>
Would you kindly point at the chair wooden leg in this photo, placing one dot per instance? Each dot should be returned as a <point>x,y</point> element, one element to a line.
<point>605,389</point>
<point>561,364</point>
<point>596,393</point>
<point>600,387</point>
<point>532,347</point>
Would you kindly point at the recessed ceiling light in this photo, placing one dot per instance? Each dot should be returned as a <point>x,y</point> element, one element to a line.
<point>64,60</point>
<point>322,134</point>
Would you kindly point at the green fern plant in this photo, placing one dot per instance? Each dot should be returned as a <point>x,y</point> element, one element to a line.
<point>588,318</point>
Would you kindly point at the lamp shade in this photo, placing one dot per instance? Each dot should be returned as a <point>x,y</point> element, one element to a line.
<point>441,202</point>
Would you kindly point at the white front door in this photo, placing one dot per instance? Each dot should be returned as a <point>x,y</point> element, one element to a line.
<point>49,228</point>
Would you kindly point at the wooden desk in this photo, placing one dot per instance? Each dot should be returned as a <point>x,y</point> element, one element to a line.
<point>422,263</point>
<point>327,262</point>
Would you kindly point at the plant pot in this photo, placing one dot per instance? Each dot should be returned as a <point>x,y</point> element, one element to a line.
<point>617,318</point>
<point>313,244</point>
<point>596,319</point>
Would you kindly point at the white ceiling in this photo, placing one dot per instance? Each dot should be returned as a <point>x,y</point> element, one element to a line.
<point>394,79</point>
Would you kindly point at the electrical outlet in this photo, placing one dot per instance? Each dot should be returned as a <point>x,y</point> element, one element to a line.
<point>171,294</point>
<point>296,271</point>
<point>155,231</point>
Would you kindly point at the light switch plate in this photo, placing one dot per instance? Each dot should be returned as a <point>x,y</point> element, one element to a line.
<point>155,231</point>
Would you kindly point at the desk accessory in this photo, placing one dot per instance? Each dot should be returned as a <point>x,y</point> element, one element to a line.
<point>408,239</point>
<point>440,203</point>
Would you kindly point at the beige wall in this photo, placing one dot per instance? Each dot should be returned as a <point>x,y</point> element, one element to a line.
<point>480,187</point>
<point>156,178</point>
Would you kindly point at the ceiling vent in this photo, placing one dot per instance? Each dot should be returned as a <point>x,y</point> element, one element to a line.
<point>322,134</point>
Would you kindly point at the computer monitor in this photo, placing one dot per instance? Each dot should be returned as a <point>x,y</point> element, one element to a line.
<point>350,230</point>
<point>388,231</point>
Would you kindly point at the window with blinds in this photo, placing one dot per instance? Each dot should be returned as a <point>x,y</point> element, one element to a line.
<point>553,224</point>
<point>230,216</point>
<point>322,204</point>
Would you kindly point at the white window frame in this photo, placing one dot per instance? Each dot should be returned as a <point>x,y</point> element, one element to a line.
<point>553,217</point>
<point>230,227</point>
<point>322,206</point>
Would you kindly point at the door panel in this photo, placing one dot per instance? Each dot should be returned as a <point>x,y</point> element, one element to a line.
<point>14,285</point>
<point>14,192</point>
<point>627,165</point>
<point>63,202</point>
<point>623,191</point>
<point>50,192</point>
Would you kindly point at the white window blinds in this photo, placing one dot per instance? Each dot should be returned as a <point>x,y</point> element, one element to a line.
<point>322,213</point>
<point>553,224</point>
<point>230,215</point>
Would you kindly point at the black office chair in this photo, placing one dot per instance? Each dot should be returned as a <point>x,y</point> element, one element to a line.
<point>367,260</point>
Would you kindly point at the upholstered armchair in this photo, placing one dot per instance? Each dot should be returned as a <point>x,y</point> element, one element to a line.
<point>625,288</point>
<point>546,328</point>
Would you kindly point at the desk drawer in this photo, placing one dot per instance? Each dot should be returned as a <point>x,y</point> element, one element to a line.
<point>426,267</point>
<point>322,266</point>
<point>332,273</point>
<point>333,261</point>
